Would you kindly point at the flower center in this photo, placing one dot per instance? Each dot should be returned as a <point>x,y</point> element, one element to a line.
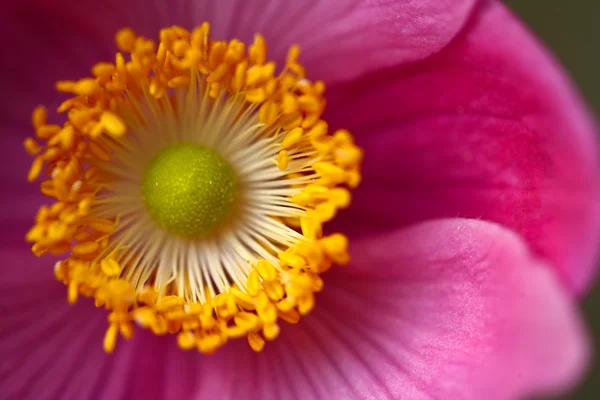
<point>190,182</point>
<point>189,189</point>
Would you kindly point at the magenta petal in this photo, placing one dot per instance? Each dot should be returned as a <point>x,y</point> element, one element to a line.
<point>450,309</point>
<point>489,128</point>
<point>341,39</point>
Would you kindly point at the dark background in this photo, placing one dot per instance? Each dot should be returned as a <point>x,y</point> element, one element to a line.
<point>571,28</point>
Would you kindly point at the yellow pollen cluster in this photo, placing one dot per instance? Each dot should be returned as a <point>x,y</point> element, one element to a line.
<point>70,156</point>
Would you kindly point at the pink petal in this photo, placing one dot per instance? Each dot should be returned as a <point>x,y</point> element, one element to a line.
<point>451,309</point>
<point>446,309</point>
<point>332,32</point>
<point>489,128</point>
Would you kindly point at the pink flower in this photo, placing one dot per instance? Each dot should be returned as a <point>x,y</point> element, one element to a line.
<point>474,230</point>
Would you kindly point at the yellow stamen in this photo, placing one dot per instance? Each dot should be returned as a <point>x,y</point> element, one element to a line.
<point>114,261</point>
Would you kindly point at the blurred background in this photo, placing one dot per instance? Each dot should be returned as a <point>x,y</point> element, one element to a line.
<point>571,29</point>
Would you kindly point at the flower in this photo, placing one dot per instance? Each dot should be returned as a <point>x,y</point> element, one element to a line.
<point>473,232</point>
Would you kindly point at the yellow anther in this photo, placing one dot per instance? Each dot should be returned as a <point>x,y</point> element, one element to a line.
<point>31,146</point>
<point>110,338</point>
<point>242,299</point>
<point>179,82</point>
<point>235,332</point>
<point>285,306</point>
<point>311,251</point>
<point>207,321</point>
<point>283,160</point>
<point>84,249</point>
<point>298,69</point>
<point>144,316</point>
<point>301,281</point>
<point>84,207</point>
<point>160,325</point>
<point>110,267</point>
<point>316,282</point>
<point>348,156</point>
<point>270,87</point>
<point>126,330</point>
<point>354,178</point>
<point>173,326</point>
<point>209,343</point>
<point>270,331</point>
<point>167,36</point>
<point>65,138</point>
<point>311,226</point>
<point>266,270</point>
<point>292,260</point>
<point>180,47</point>
<point>317,191</point>
<point>102,225</point>
<point>330,171</point>
<point>113,124</point>
<point>215,90</point>
<point>36,233</point>
<point>65,86</point>
<point>72,292</point>
<point>309,103</point>
<point>47,131</point>
<point>318,130</point>
<point>167,302</point>
<point>325,211</point>
<point>217,54</point>
<point>60,270</point>
<point>340,197</point>
<point>36,169</point>
<point>268,112</point>
<point>291,121</point>
<point>336,247</point>
<point>57,231</point>
<point>293,137</point>
<point>85,87</point>
<point>256,342</point>
<point>254,75</point>
<point>103,69</point>
<point>225,305</point>
<point>247,320</point>
<point>290,315</point>
<point>310,120</point>
<point>235,52</point>
<point>324,144</point>
<point>274,290</point>
<point>39,117</point>
<point>257,95</point>
<point>254,285</point>
<point>306,303</point>
<point>302,199</point>
<point>239,80</point>
<point>293,54</point>
<point>125,39</point>
<point>289,104</point>
<point>180,31</point>
<point>186,340</point>
<point>265,309</point>
<point>217,74</point>
<point>258,51</point>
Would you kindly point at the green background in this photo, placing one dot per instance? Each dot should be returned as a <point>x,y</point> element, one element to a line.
<point>572,29</point>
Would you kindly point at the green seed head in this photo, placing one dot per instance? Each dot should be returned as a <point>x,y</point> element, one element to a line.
<point>189,189</point>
